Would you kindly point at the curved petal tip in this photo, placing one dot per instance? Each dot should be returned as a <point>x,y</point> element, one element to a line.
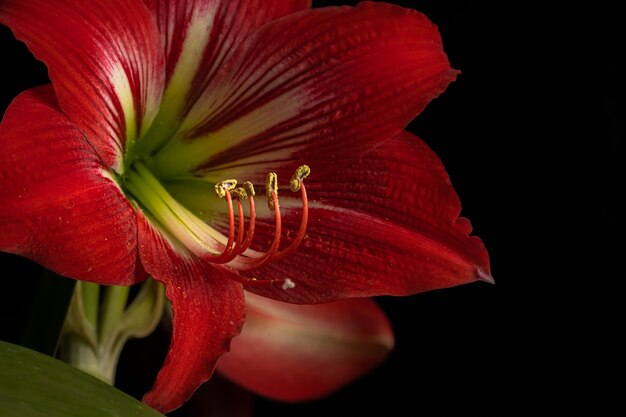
<point>484,276</point>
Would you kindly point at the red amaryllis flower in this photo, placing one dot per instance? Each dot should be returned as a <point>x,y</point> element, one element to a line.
<point>115,170</point>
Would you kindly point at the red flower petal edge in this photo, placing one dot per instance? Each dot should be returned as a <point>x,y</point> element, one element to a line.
<point>208,311</point>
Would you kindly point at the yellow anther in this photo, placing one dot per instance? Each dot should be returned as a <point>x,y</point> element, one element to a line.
<point>271,187</point>
<point>221,187</point>
<point>301,173</point>
<point>240,193</point>
<point>249,188</point>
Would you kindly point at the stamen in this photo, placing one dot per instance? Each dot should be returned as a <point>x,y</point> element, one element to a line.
<point>240,193</point>
<point>301,173</point>
<point>271,188</point>
<point>251,223</point>
<point>222,187</point>
<point>224,257</point>
<point>237,249</point>
<point>246,264</point>
<point>241,226</point>
<point>249,187</point>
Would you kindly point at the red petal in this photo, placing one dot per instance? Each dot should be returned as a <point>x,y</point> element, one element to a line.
<point>208,311</point>
<point>104,60</point>
<point>388,224</point>
<point>319,84</point>
<point>58,205</point>
<point>197,37</point>
<point>295,353</point>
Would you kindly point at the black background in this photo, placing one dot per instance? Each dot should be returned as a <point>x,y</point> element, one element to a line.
<point>532,135</point>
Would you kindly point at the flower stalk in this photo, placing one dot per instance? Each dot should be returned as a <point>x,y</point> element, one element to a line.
<point>91,295</point>
<point>95,332</point>
<point>113,308</point>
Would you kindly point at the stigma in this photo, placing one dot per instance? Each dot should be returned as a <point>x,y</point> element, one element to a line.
<point>231,248</point>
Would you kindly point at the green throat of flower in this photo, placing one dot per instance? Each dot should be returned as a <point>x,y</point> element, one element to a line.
<point>180,220</point>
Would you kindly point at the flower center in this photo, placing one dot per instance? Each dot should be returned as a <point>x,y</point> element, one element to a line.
<point>183,227</point>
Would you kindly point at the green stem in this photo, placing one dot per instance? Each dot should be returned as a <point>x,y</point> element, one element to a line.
<point>96,349</point>
<point>91,300</point>
<point>113,307</point>
<point>78,353</point>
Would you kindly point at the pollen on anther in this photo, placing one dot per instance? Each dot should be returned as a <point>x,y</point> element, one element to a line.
<point>240,193</point>
<point>271,187</point>
<point>301,173</point>
<point>221,187</point>
<point>249,187</point>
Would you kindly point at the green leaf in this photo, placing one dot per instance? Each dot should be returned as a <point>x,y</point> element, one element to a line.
<point>36,385</point>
